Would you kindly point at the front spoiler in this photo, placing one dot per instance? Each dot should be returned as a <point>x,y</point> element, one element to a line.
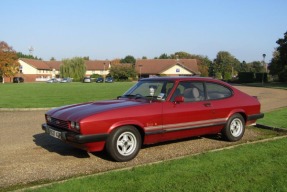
<point>75,137</point>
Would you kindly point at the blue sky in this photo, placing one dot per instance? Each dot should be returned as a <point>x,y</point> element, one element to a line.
<point>116,28</point>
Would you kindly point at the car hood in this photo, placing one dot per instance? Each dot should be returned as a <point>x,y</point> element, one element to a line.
<point>80,111</point>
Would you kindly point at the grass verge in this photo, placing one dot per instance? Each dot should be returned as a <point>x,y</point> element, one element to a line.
<point>261,167</point>
<point>276,119</point>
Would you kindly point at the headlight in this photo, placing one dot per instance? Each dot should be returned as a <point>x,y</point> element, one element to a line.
<point>48,118</point>
<point>75,125</point>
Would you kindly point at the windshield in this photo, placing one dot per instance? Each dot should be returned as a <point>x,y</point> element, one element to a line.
<point>158,90</point>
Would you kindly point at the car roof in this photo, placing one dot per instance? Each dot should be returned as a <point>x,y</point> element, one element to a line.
<point>185,78</point>
<point>177,78</point>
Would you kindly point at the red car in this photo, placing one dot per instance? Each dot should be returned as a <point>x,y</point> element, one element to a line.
<point>155,110</point>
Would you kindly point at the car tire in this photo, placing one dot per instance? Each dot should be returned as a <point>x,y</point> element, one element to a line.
<point>124,143</point>
<point>234,128</point>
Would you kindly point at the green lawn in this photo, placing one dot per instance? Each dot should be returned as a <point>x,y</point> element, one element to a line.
<point>254,167</point>
<point>276,119</point>
<point>42,95</point>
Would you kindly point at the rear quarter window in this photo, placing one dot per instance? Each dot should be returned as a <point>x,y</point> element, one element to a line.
<point>217,91</point>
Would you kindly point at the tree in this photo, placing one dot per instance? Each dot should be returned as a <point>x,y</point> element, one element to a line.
<point>255,66</point>
<point>9,65</point>
<point>128,59</point>
<point>243,67</point>
<point>21,55</point>
<point>204,65</point>
<point>225,65</point>
<point>74,68</point>
<point>278,65</point>
<point>116,61</point>
<point>181,55</point>
<point>164,56</point>
<point>274,66</point>
<point>86,58</point>
<point>122,72</point>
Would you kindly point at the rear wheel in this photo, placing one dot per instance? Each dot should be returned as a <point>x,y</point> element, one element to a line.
<point>124,143</point>
<point>235,128</point>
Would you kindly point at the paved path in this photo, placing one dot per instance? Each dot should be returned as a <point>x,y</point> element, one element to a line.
<point>270,99</point>
<point>27,154</point>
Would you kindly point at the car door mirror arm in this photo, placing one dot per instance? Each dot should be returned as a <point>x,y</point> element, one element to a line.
<point>178,99</point>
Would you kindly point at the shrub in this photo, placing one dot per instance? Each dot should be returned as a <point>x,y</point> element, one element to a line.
<point>246,77</point>
<point>259,76</point>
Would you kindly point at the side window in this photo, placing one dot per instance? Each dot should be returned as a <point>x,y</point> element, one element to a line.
<point>178,92</point>
<point>167,89</point>
<point>216,91</point>
<point>191,91</point>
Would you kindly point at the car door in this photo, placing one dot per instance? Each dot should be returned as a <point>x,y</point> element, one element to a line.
<point>220,98</point>
<point>193,116</point>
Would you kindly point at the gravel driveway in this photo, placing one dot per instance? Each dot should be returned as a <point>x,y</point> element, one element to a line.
<point>27,154</point>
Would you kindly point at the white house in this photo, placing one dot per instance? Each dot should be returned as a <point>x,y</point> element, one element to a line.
<point>167,67</point>
<point>36,70</point>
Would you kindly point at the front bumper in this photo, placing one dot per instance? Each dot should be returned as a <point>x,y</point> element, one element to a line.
<point>73,137</point>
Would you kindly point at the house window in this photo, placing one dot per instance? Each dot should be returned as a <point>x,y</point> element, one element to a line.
<point>178,70</point>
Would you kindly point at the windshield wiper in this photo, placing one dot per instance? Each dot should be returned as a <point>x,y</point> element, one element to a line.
<point>136,96</point>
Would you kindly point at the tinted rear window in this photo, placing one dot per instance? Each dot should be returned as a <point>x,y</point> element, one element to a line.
<point>216,91</point>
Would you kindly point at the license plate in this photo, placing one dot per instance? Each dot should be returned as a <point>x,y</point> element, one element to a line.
<point>54,133</point>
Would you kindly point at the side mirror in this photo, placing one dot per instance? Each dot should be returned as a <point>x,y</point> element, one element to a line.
<point>179,99</point>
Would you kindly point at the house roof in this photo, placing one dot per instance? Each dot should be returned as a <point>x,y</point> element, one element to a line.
<point>38,64</point>
<point>97,65</point>
<point>122,64</point>
<point>157,66</point>
<point>90,65</point>
<point>145,66</point>
<point>54,64</point>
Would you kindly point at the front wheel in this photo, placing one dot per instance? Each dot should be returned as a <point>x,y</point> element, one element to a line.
<point>124,143</point>
<point>235,128</point>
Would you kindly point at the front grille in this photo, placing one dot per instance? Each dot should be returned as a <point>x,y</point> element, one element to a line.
<point>59,123</point>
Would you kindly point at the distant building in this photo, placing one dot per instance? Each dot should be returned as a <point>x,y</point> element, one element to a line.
<point>167,67</point>
<point>36,70</point>
<point>97,67</point>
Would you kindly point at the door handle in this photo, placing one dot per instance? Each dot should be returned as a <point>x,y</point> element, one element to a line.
<point>207,104</point>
